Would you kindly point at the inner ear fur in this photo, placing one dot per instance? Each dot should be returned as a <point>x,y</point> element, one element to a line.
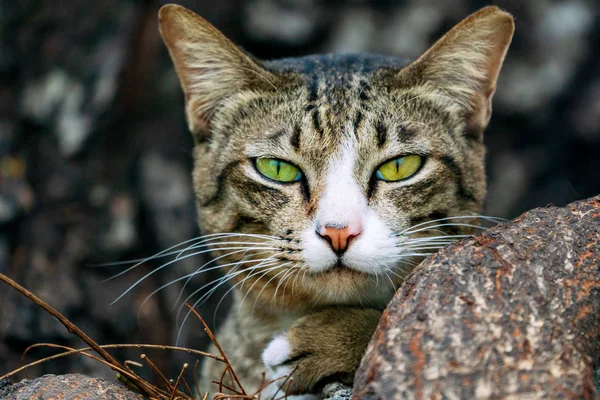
<point>210,67</point>
<point>464,64</point>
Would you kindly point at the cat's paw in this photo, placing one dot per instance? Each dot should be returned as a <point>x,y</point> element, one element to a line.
<point>274,357</point>
<point>277,352</point>
<point>321,347</point>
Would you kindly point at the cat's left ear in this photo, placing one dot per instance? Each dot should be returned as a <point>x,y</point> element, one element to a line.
<point>210,67</point>
<point>465,63</point>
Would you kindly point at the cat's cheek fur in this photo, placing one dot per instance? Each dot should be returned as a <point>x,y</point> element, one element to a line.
<point>316,252</point>
<point>375,251</point>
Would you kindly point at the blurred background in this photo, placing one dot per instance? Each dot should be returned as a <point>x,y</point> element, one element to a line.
<point>95,158</point>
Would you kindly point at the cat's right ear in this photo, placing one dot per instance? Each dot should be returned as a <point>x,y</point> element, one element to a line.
<point>210,67</point>
<point>463,65</point>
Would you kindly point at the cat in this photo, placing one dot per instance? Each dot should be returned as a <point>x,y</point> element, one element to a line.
<point>321,181</point>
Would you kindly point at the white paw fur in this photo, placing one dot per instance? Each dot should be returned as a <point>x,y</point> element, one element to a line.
<point>276,353</point>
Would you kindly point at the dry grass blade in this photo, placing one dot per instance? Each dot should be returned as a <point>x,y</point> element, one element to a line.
<point>157,371</point>
<point>61,318</point>
<point>143,387</point>
<point>218,346</point>
<point>288,381</point>
<point>187,386</point>
<point>143,346</point>
<point>222,396</point>
<point>178,381</point>
<point>106,346</point>
<point>196,383</point>
<point>129,376</point>
<point>220,382</point>
<point>269,383</point>
<point>262,383</point>
<point>287,389</point>
<point>228,388</point>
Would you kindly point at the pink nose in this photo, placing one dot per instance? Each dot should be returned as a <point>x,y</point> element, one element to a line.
<point>339,238</point>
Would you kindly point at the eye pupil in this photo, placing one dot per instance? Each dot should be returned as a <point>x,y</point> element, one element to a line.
<point>399,168</point>
<point>278,170</point>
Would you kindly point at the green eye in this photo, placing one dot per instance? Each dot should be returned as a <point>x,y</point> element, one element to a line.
<point>278,170</point>
<point>400,168</point>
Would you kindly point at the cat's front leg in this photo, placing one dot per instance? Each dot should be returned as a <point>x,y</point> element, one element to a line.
<point>324,346</point>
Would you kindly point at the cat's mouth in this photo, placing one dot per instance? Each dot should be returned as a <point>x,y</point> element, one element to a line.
<point>342,268</point>
<point>346,284</point>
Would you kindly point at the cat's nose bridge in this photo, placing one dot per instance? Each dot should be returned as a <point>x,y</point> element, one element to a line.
<point>340,215</point>
<point>343,204</point>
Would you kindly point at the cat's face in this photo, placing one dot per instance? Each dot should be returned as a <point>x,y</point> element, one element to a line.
<point>332,166</point>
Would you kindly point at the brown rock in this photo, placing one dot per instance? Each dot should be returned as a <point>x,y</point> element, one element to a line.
<point>67,387</point>
<point>511,313</point>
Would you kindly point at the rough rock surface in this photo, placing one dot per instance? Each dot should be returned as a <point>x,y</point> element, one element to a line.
<point>514,311</point>
<point>336,391</point>
<point>66,387</point>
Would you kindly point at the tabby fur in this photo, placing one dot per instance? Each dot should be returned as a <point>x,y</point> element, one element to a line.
<point>338,118</point>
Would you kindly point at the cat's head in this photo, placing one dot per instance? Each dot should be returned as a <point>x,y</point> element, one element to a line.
<point>333,165</point>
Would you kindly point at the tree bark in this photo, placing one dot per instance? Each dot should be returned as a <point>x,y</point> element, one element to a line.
<point>511,313</point>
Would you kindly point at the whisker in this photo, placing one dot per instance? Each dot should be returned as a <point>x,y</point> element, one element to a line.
<point>410,232</point>
<point>413,254</point>
<point>175,260</point>
<point>391,271</point>
<point>214,260</point>
<point>444,236</point>
<point>304,278</point>
<point>281,281</point>
<point>483,217</point>
<point>188,276</point>
<point>202,299</point>
<point>266,284</point>
<point>426,240</point>
<point>157,255</point>
<point>219,281</point>
<point>390,279</point>
<point>254,284</point>
<point>165,253</point>
<point>241,282</point>
<point>270,262</point>
<point>412,248</point>
<point>438,245</point>
<point>297,275</point>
